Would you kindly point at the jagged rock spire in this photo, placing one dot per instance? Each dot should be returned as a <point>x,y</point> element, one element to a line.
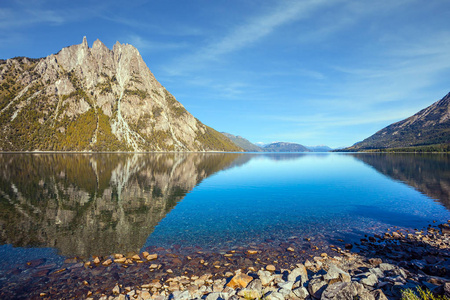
<point>85,43</point>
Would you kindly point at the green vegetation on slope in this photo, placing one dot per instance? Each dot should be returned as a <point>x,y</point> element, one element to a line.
<point>416,149</point>
<point>212,140</point>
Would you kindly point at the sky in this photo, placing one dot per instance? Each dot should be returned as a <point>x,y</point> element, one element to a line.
<point>314,72</point>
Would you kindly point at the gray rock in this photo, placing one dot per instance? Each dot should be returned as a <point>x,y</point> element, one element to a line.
<point>346,291</point>
<point>253,290</point>
<point>301,292</point>
<point>217,296</point>
<point>179,295</point>
<point>284,292</point>
<point>379,295</point>
<point>287,285</point>
<point>255,285</point>
<point>386,267</point>
<point>250,294</point>
<point>335,274</point>
<point>447,289</point>
<point>273,296</point>
<point>369,280</point>
<point>265,277</point>
<point>316,287</point>
<point>377,272</point>
<point>298,274</point>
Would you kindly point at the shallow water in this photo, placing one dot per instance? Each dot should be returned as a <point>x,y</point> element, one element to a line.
<point>66,205</point>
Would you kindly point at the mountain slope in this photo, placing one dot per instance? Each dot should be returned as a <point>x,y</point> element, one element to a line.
<point>430,126</point>
<point>319,148</point>
<point>285,147</point>
<point>242,143</point>
<point>95,99</point>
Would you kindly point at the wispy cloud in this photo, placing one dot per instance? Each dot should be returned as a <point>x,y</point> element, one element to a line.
<point>10,19</point>
<point>249,32</point>
<point>326,119</point>
<point>174,29</point>
<point>260,26</point>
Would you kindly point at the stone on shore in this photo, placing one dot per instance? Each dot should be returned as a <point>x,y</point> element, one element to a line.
<point>298,274</point>
<point>334,274</point>
<point>301,292</point>
<point>265,277</point>
<point>346,290</point>
<point>152,256</point>
<point>239,281</point>
<point>270,268</point>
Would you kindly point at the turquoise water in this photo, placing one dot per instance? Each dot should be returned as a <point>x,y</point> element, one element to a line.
<point>60,205</point>
<point>278,196</point>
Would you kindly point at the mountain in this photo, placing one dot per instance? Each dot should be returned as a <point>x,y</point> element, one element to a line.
<point>95,99</point>
<point>319,148</point>
<point>285,147</point>
<point>430,126</point>
<point>242,143</point>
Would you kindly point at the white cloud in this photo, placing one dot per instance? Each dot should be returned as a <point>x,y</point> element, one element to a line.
<point>247,33</point>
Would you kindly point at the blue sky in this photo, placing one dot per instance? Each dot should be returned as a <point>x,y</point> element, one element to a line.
<point>312,72</point>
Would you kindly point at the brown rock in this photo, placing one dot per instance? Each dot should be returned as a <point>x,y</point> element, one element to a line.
<point>120,260</point>
<point>270,268</point>
<point>145,295</point>
<point>152,256</point>
<point>375,261</point>
<point>251,252</point>
<point>107,262</point>
<point>239,281</point>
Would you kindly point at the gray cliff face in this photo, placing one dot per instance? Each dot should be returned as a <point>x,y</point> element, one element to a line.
<point>95,99</point>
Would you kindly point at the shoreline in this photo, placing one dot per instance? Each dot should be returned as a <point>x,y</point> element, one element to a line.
<point>385,265</point>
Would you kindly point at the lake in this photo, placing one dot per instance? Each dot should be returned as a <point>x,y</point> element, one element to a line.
<point>56,206</point>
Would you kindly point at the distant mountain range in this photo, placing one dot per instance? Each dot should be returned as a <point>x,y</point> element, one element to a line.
<point>95,99</point>
<point>285,147</point>
<point>427,129</point>
<point>319,148</point>
<point>242,143</point>
<point>273,147</point>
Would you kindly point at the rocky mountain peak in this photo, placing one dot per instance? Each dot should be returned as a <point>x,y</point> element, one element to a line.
<point>430,126</point>
<point>110,96</point>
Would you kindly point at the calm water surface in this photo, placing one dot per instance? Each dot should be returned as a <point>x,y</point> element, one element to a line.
<point>65,205</point>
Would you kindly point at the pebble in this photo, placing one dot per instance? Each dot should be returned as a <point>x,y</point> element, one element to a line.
<point>152,256</point>
<point>270,268</point>
<point>379,271</point>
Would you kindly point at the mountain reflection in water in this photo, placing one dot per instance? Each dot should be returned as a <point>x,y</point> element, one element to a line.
<point>429,173</point>
<point>96,204</point>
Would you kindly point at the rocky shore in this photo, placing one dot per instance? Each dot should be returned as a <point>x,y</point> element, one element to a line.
<point>377,267</point>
